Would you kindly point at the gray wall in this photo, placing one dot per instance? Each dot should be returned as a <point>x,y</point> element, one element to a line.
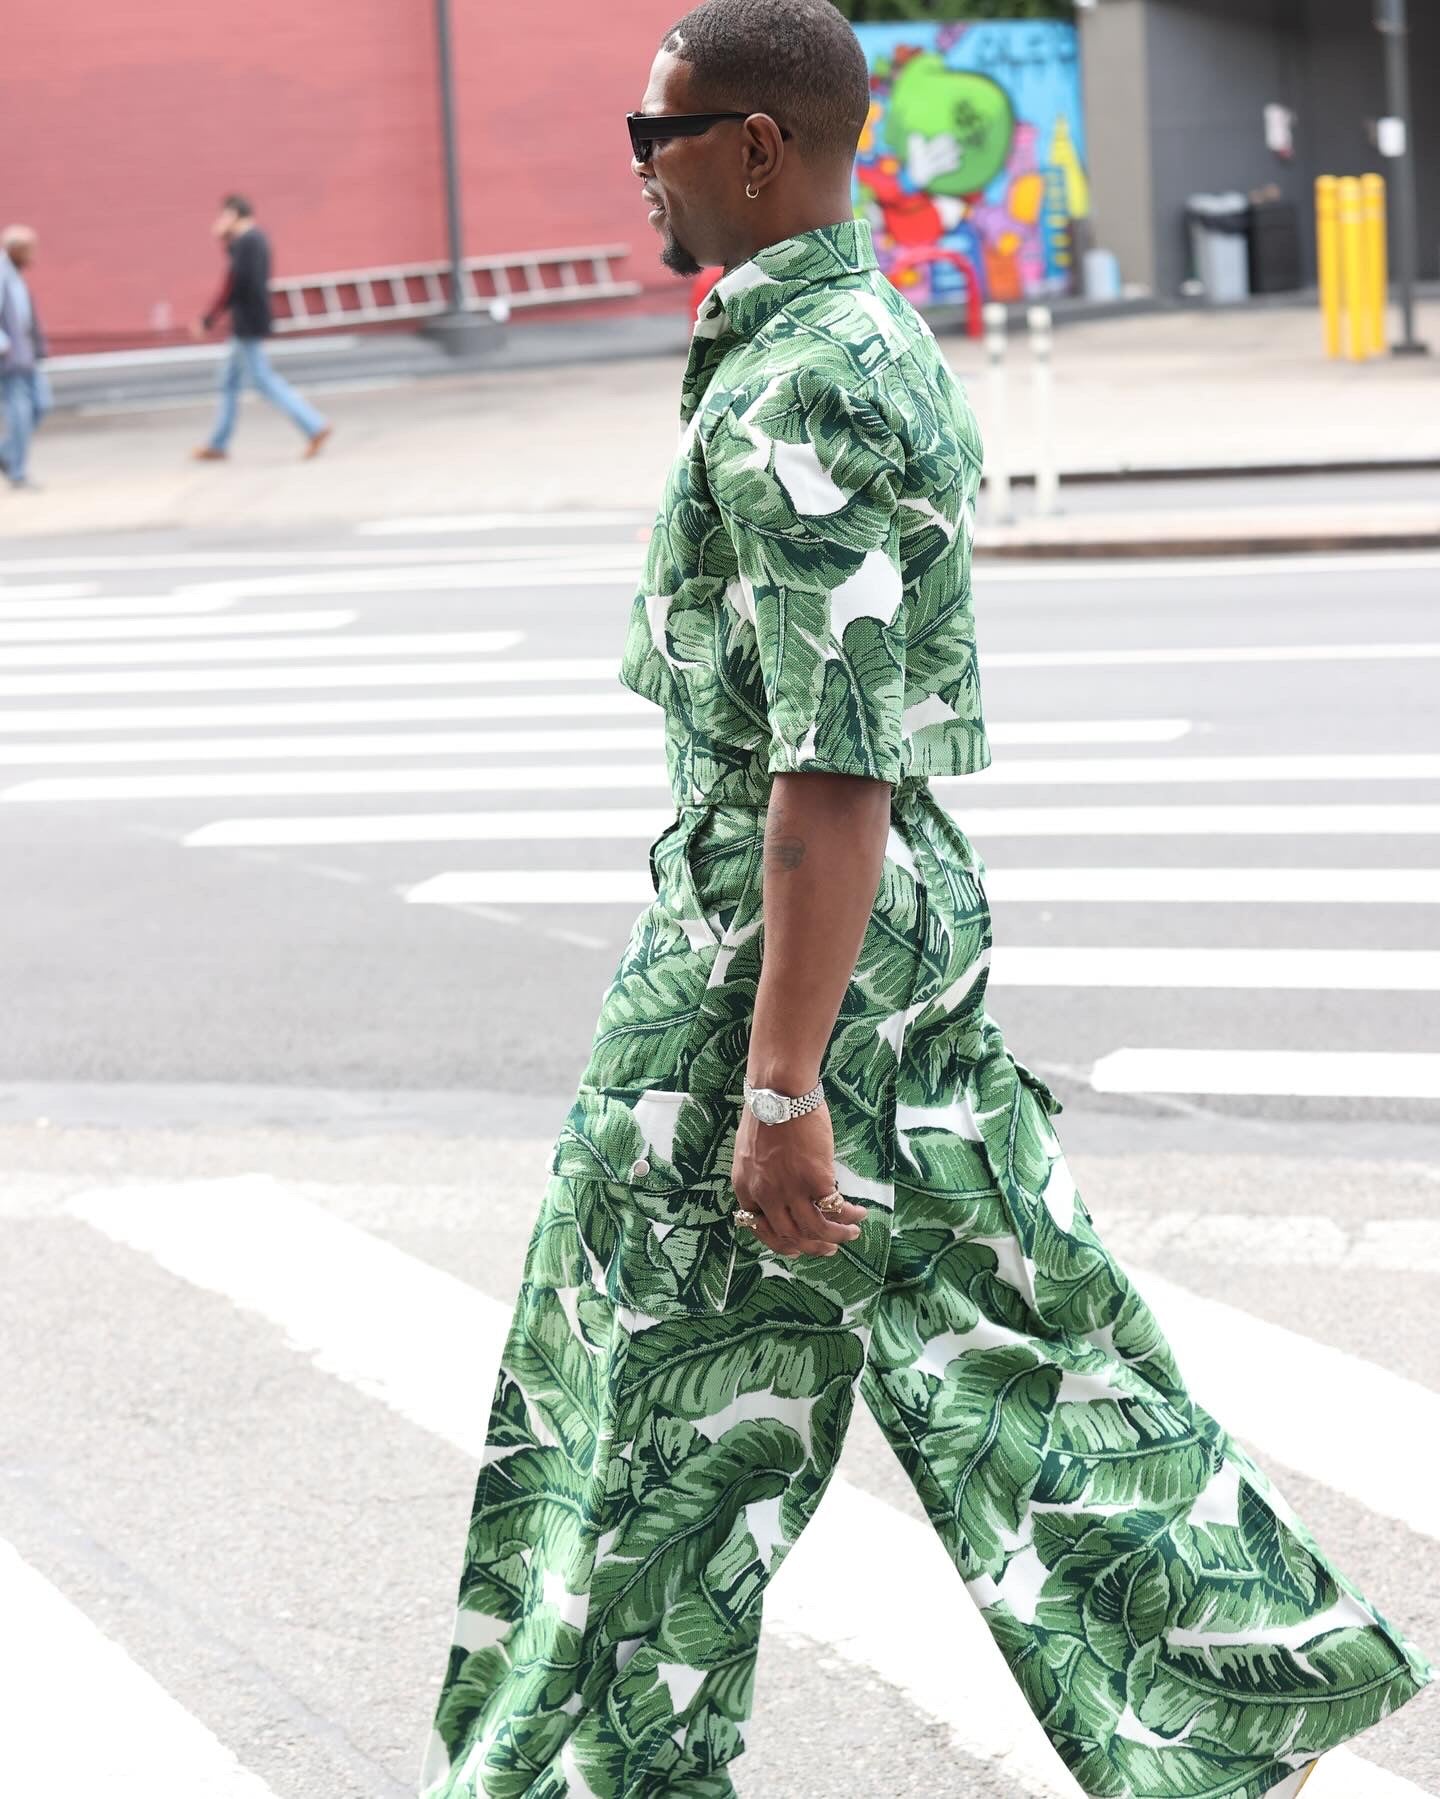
<point>1213,67</point>
<point>1344,89</point>
<point>1175,92</point>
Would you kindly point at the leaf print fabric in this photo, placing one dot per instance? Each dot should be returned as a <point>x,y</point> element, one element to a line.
<point>673,1398</point>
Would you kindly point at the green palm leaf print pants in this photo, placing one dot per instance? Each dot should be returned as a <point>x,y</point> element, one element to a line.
<point>673,1398</point>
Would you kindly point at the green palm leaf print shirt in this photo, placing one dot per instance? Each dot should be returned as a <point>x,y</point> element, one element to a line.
<point>805,605</point>
<point>806,600</point>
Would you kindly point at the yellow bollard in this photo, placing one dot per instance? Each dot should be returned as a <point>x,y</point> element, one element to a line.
<point>1377,273</point>
<point>1352,267</point>
<point>1327,241</point>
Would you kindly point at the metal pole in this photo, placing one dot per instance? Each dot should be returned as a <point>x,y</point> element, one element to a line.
<point>446,68</point>
<point>997,426</point>
<point>1390,21</point>
<point>1047,469</point>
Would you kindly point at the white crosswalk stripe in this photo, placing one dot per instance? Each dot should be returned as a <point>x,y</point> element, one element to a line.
<point>425,1345</point>
<point>148,1745</point>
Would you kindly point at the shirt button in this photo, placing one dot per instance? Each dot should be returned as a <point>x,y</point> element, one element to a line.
<point>639,1168</point>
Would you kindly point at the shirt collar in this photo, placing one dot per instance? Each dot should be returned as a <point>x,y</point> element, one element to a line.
<point>742,300</point>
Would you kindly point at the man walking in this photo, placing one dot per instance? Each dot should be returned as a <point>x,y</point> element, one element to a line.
<point>803,1164</point>
<point>246,297</point>
<point>22,350</point>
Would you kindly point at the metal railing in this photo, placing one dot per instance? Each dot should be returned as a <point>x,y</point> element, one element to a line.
<point>419,290</point>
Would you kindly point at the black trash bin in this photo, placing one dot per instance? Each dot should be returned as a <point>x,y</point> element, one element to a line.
<point>1274,247</point>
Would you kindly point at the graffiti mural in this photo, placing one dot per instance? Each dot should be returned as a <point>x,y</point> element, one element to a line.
<point>972,163</point>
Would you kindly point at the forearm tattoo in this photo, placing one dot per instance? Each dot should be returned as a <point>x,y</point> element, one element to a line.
<point>783,849</point>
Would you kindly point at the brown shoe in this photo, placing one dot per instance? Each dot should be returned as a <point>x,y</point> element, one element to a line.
<point>317,442</point>
<point>208,453</point>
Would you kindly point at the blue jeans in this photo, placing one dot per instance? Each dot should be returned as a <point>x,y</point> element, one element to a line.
<point>19,391</point>
<point>247,359</point>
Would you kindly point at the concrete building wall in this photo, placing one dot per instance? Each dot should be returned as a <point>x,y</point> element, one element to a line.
<point>1115,74</point>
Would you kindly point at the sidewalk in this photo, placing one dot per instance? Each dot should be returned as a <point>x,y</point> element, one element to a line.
<point>1168,393</point>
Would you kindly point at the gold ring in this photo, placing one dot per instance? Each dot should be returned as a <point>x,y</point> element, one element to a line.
<point>830,1204</point>
<point>747,1219</point>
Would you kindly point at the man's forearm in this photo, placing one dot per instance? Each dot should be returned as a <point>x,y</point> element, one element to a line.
<point>824,851</point>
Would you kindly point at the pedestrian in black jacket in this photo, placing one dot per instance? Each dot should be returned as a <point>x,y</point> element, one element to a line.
<point>246,297</point>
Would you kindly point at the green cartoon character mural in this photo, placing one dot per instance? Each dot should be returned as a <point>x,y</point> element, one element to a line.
<point>950,127</point>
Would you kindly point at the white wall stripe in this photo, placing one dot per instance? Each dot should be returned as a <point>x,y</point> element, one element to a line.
<point>427,1346</point>
<point>1311,970</point>
<point>137,1742</point>
<point>387,674</point>
<point>1234,886</point>
<point>532,741</point>
<point>981,824</point>
<point>253,649</point>
<point>102,633</point>
<point>1293,1073</point>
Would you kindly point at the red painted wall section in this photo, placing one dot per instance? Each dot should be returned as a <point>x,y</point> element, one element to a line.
<point>122,125</point>
<point>544,93</point>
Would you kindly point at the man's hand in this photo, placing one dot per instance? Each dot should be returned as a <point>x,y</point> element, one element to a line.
<point>199,329</point>
<point>779,1170</point>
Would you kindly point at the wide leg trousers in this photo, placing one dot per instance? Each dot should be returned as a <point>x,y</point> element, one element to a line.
<point>1173,1627</point>
<point>673,1398</point>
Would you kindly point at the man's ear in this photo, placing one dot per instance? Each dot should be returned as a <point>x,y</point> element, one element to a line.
<point>764,149</point>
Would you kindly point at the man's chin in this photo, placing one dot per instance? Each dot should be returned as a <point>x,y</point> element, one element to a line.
<point>678,259</point>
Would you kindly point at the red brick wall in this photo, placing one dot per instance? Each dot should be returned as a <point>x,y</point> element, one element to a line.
<point>122,124</point>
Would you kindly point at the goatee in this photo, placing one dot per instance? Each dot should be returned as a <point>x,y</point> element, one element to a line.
<point>677,258</point>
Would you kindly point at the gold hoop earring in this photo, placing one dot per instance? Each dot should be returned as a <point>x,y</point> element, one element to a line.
<point>751,191</point>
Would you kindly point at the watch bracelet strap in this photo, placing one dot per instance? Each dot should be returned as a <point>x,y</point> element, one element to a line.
<point>801,1103</point>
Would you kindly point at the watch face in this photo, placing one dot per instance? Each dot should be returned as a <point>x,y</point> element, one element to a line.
<point>770,1108</point>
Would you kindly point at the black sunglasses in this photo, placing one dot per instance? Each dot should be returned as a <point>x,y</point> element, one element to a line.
<point>648,128</point>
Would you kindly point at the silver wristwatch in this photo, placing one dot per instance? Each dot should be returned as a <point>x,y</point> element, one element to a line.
<point>771,1107</point>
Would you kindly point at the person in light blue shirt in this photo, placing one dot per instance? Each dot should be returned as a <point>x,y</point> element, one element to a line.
<point>23,393</point>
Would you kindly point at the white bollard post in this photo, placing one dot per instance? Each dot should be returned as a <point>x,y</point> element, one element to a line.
<point>1047,468</point>
<point>997,426</point>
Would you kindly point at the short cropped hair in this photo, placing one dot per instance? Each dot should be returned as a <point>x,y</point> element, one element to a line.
<point>797,60</point>
<point>239,205</point>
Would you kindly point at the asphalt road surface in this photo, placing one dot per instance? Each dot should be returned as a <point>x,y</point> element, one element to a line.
<point>319,853</point>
